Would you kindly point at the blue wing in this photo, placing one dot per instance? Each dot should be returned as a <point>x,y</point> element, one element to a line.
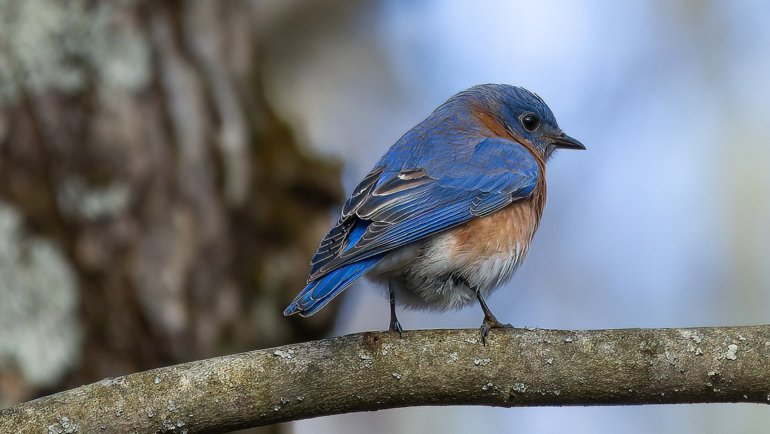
<point>396,205</point>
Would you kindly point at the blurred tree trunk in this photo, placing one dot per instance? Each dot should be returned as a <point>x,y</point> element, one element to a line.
<point>153,207</point>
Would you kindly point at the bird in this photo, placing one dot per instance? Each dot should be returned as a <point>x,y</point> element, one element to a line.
<point>448,213</point>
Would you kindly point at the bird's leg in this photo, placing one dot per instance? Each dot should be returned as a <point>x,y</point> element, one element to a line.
<point>395,326</point>
<point>490,321</point>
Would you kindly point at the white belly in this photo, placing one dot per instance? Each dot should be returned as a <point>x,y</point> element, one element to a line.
<point>434,274</point>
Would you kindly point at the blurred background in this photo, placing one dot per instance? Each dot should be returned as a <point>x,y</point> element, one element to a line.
<point>168,168</point>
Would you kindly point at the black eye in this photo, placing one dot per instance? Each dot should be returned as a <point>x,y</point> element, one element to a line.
<point>530,122</point>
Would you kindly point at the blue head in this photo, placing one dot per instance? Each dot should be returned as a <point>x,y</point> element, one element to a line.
<point>523,114</point>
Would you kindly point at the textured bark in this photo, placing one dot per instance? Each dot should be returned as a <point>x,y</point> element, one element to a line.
<point>137,144</point>
<point>372,371</point>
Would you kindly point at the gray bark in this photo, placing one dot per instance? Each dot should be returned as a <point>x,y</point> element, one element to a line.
<point>154,204</point>
<point>373,371</point>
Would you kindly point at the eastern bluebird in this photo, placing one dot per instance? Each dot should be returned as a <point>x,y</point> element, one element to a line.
<point>449,212</point>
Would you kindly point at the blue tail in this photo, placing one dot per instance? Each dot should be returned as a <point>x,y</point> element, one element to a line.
<point>319,292</point>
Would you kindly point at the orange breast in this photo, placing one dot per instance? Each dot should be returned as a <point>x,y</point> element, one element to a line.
<point>511,228</point>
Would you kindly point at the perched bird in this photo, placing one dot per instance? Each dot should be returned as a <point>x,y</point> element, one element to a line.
<point>449,212</point>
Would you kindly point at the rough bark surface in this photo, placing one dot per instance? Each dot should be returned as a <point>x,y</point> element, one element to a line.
<point>154,207</point>
<point>373,371</point>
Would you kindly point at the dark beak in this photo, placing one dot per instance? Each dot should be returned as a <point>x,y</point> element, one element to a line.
<point>564,141</point>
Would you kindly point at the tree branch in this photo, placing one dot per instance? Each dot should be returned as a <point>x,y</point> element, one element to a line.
<point>372,371</point>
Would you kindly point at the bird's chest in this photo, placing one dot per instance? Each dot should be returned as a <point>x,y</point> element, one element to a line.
<point>489,249</point>
<point>444,270</point>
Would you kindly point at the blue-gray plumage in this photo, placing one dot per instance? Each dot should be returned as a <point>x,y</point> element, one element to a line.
<point>448,213</point>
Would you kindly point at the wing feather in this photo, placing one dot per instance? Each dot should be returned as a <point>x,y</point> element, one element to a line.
<point>403,206</point>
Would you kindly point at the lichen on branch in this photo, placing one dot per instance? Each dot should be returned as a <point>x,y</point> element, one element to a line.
<point>378,370</point>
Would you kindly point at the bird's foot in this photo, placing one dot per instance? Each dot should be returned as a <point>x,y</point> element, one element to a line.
<point>395,326</point>
<point>490,323</point>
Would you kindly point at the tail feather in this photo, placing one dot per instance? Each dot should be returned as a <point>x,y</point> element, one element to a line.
<point>321,291</point>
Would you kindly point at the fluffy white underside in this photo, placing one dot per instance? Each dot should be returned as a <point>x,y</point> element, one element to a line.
<point>433,274</point>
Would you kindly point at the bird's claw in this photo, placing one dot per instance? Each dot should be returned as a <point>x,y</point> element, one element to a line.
<point>395,326</point>
<point>489,324</point>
